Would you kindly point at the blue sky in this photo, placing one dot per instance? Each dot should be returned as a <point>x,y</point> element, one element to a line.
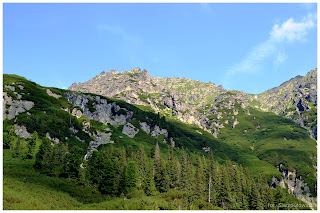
<point>249,47</point>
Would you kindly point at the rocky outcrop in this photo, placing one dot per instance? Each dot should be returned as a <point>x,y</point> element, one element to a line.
<point>130,130</point>
<point>293,99</point>
<point>235,122</point>
<point>295,185</point>
<point>12,108</point>
<point>193,101</point>
<point>145,127</point>
<point>22,131</point>
<point>50,93</point>
<point>52,139</point>
<point>76,112</point>
<point>99,139</point>
<point>157,131</point>
<point>101,110</point>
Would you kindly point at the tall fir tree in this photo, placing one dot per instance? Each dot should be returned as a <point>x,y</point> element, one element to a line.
<point>255,198</point>
<point>43,157</point>
<point>130,178</point>
<point>199,178</point>
<point>31,145</point>
<point>72,162</point>
<point>140,159</point>
<point>224,192</point>
<point>160,171</point>
<point>148,181</point>
<point>245,189</point>
<point>173,169</point>
<point>108,182</point>
<point>186,183</point>
<point>262,188</point>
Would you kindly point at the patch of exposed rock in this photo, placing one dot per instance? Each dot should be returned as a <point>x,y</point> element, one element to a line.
<point>99,139</point>
<point>145,127</point>
<point>103,111</point>
<point>50,93</point>
<point>22,131</point>
<point>235,122</point>
<point>130,130</point>
<point>12,108</point>
<point>76,112</point>
<point>157,131</point>
<point>296,186</point>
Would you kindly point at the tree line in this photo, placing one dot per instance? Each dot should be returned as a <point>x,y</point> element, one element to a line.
<point>119,171</point>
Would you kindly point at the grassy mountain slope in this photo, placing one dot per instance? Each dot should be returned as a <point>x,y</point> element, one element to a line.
<point>260,140</point>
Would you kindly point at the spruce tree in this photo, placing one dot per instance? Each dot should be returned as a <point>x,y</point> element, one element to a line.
<point>31,145</point>
<point>72,162</point>
<point>245,189</point>
<point>130,178</point>
<point>255,198</point>
<point>186,183</point>
<point>140,159</point>
<point>160,171</point>
<point>236,187</point>
<point>199,178</point>
<point>173,169</point>
<point>224,192</point>
<point>108,183</point>
<point>43,157</point>
<point>148,182</point>
<point>216,183</point>
<point>262,188</point>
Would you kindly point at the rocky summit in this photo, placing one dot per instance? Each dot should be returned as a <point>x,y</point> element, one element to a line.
<point>200,103</point>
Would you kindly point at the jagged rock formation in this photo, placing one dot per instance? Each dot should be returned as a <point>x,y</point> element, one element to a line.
<point>99,109</point>
<point>197,102</point>
<point>12,108</point>
<point>130,130</point>
<point>295,99</point>
<point>296,186</point>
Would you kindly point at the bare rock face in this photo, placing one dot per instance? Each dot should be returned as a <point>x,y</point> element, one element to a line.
<point>235,123</point>
<point>22,131</point>
<point>157,131</point>
<point>189,100</point>
<point>296,186</point>
<point>76,112</point>
<point>298,93</point>
<point>12,108</point>
<point>130,130</point>
<point>145,127</point>
<point>10,87</point>
<point>99,139</point>
<point>101,110</point>
<point>50,93</point>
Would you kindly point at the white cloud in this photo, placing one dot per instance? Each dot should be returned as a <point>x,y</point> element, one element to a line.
<point>288,31</point>
<point>291,30</point>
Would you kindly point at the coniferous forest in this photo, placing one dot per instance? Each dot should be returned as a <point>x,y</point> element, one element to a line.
<point>122,172</point>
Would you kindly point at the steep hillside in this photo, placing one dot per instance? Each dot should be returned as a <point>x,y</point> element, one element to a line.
<point>295,99</point>
<point>82,123</point>
<point>239,119</point>
<point>193,101</point>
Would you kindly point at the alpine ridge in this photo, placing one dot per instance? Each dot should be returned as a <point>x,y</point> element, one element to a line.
<point>194,102</point>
